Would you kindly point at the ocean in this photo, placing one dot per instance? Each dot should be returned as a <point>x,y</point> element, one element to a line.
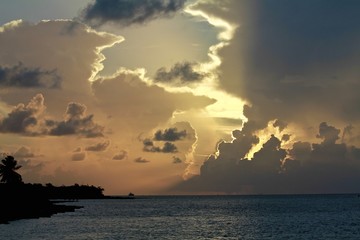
<point>199,217</point>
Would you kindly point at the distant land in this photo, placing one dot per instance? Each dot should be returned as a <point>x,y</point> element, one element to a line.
<point>21,200</point>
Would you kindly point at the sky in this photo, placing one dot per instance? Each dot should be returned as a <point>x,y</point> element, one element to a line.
<point>183,97</point>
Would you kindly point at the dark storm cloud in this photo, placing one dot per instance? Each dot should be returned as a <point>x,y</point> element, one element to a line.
<point>98,147</point>
<point>141,160</point>
<point>295,62</point>
<point>168,147</point>
<point>291,59</point>
<point>24,119</point>
<point>121,155</point>
<point>20,76</point>
<point>170,134</point>
<point>125,12</point>
<point>76,122</point>
<point>179,74</point>
<point>326,167</point>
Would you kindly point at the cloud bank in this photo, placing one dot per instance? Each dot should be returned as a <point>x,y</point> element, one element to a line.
<point>290,67</point>
<point>294,73</point>
<point>325,167</point>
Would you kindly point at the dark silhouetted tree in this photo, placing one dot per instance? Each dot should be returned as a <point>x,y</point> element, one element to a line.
<point>8,174</point>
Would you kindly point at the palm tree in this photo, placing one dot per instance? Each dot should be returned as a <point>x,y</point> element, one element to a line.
<point>8,167</point>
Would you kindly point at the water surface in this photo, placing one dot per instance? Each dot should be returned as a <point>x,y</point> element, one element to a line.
<point>199,217</point>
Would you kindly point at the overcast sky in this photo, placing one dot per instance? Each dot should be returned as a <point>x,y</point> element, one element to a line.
<point>176,96</point>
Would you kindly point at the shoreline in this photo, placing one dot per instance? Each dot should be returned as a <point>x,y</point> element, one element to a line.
<point>12,211</point>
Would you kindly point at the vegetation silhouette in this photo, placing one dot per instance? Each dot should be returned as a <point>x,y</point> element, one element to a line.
<point>8,172</point>
<point>25,200</point>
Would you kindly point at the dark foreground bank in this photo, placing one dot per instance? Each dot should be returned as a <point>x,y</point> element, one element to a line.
<point>14,210</point>
<point>22,201</point>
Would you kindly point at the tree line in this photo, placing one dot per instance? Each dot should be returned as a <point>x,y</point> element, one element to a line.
<point>11,182</point>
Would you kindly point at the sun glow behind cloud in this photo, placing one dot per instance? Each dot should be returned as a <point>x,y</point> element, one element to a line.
<point>98,66</point>
<point>226,106</point>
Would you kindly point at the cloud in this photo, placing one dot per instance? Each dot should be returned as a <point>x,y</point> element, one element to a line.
<point>125,13</point>
<point>141,107</point>
<point>328,133</point>
<point>170,134</point>
<point>168,147</point>
<point>98,147</point>
<point>287,67</point>
<point>30,120</point>
<point>286,70</point>
<point>285,137</point>
<point>121,155</point>
<point>280,124</point>
<point>76,56</point>
<point>24,119</point>
<point>76,122</point>
<point>176,160</point>
<point>347,132</point>
<point>78,156</point>
<point>20,76</point>
<point>326,167</point>
<point>141,160</point>
<point>243,141</point>
<point>29,169</point>
<point>26,165</point>
<point>179,74</point>
<point>78,149</point>
<point>24,152</point>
